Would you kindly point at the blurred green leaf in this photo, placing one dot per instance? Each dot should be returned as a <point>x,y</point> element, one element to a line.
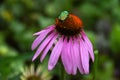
<point>11,66</point>
<point>44,21</point>
<point>89,10</point>
<point>7,51</point>
<point>17,27</point>
<point>115,38</point>
<point>55,7</point>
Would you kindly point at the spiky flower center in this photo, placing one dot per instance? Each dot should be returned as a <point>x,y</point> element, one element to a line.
<point>34,77</point>
<point>68,24</point>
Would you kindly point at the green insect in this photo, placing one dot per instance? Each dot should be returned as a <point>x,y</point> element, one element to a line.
<point>63,15</point>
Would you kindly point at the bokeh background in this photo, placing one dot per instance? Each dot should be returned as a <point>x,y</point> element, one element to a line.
<point>19,19</point>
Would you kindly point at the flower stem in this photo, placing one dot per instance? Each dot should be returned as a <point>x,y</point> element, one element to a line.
<point>95,65</point>
<point>63,74</point>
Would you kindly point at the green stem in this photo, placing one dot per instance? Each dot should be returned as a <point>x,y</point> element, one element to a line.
<point>63,73</point>
<point>95,65</point>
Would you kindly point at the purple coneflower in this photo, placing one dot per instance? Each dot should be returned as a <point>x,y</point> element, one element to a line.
<point>73,46</point>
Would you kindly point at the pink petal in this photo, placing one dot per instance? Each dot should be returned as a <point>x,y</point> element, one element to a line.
<point>89,45</point>
<point>74,57</point>
<point>84,57</point>
<point>40,38</point>
<point>48,47</point>
<point>43,45</point>
<point>44,30</point>
<point>77,55</point>
<point>66,57</point>
<point>55,54</point>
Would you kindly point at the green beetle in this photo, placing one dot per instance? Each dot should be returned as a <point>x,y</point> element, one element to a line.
<point>63,15</point>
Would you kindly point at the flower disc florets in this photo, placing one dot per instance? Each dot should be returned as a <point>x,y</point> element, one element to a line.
<point>68,24</point>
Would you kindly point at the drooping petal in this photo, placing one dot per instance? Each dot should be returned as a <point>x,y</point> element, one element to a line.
<point>55,54</point>
<point>66,56</point>
<point>48,47</point>
<point>77,55</point>
<point>84,57</point>
<point>89,45</point>
<point>40,38</point>
<point>43,45</point>
<point>44,30</point>
<point>73,56</point>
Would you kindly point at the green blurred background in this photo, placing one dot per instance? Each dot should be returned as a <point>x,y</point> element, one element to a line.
<point>19,19</point>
